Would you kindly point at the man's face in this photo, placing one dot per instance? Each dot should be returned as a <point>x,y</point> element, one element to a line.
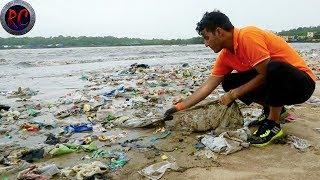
<point>212,40</point>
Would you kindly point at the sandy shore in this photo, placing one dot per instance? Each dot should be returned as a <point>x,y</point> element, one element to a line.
<point>277,161</point>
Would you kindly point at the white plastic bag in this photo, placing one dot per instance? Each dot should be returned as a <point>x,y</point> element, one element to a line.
<point>157,170</point>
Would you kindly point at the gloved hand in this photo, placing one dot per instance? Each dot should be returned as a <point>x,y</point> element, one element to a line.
<point>168,114</point>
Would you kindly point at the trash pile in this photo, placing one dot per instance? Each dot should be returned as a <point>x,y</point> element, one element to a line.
<point>92,120</point>
<point>97,125</point>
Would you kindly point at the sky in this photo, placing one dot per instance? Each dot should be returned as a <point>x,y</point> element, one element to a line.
<point>165,19</point>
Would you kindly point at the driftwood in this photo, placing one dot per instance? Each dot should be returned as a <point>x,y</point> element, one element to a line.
<point>208,116</point>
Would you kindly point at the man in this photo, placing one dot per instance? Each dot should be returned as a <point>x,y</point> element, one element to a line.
<point>269,72</point>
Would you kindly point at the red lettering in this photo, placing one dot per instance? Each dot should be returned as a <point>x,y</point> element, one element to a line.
<point>10,20</point>
<point>25,13</point>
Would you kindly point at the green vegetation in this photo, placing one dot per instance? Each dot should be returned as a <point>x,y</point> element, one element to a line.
<point>301,34</point>
<point>301,31</point>
<point>83,41</point>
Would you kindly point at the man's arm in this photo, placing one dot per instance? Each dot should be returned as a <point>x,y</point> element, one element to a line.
<point>205,89</point>
<point>255,82</point>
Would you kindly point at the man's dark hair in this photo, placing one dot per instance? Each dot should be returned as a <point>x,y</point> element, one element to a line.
<point>211,20</point>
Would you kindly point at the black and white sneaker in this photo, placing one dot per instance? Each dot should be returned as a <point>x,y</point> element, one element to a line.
<point>266,133</point>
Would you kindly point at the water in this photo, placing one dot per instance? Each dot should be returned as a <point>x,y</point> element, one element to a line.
<point>57,71</point>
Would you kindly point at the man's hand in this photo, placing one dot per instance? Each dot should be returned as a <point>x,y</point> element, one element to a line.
<point>168,114</point>
<point>228,98</point>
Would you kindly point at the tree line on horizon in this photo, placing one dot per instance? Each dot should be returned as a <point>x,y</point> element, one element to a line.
<point>84,41</point>
<point>301,31</point>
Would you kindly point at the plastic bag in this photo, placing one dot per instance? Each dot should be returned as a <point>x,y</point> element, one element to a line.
<point>78,128</point>
<point>60,150</point>
<point>156,171</point>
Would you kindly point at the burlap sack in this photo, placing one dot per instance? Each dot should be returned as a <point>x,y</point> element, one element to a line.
<point>207,116</point>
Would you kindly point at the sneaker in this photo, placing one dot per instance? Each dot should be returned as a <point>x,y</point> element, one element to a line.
<point>264,115</point>
<point>267,132</point>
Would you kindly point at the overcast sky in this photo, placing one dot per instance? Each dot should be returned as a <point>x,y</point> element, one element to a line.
<point>161,18</point>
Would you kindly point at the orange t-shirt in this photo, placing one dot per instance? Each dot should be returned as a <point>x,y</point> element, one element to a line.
<point>252,46</point>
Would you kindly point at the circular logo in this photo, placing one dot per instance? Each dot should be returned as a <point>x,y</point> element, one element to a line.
<point>17,17</point>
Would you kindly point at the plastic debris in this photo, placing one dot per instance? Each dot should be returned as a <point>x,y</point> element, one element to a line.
<point>105,115</point>
<point>11,115</point>
<point>164,157</point>
<point>33,112</point>
<point>45,121</point>
<point>74,110</point>
<point>314,100</point>
<point>77,128</point>
<point>22,93</point>
<point>103,138</point>
<point>185,65</point>
<point>118,158</point>
<point>60,150</point>
<point>137,67</point>
<point>290,118</point>
<point>84,77</point>
<point>187,73</point>
<point>156,171</point>
<point>199,146</point>
<point>227,142</point>
<point>86,107</point>
<point>5,130</point>
<point>31,173</point>
<point>33,155</point>
<point>215,144</point>
<point>117,163</point>
<point>114,92</point>
<point>250,115</point>
<point>13,169</point>
<point>301,144</point>
<point>52,139</point>
<point>206,153</point>
<point>110,117</point>
<point>30,127</point>
<point>49,170</point>
<point>85,171</point>
<point>90,147</point>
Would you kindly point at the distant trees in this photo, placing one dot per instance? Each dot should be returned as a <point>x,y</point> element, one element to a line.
<point>317,35</point>
<point>83,41</point>
<point>301,31</point>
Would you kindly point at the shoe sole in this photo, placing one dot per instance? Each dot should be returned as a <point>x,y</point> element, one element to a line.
<point>279,135</point>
